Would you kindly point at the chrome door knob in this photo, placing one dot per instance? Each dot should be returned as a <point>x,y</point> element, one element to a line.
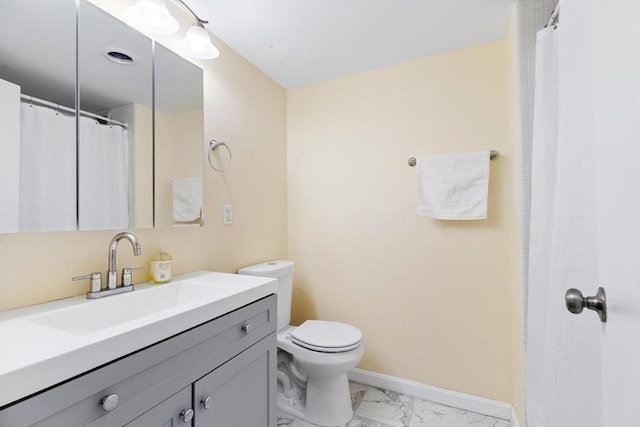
<point>186,415</point>
<point>247,328</point>
<point>576,302</point>
<point>108,403</point>
<point>206,402</point>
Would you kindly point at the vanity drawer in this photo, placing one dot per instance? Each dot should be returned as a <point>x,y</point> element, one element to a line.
<point>148,376</point>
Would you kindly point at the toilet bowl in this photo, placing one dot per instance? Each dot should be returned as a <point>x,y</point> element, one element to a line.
<point>313,358</point>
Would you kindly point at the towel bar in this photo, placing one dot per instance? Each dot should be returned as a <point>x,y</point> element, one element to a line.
<point>493,154</point>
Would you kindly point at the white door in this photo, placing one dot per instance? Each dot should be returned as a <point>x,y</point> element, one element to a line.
<point>586,219</point>
<point>616,47</point>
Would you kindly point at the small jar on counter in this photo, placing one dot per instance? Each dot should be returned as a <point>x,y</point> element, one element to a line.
<point>161,268</point>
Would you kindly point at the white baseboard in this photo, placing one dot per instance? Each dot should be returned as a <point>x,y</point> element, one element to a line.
<point>443,396</point>
<point>514,418</point>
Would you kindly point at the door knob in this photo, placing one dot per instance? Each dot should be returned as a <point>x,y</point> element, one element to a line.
<point>576,302</point>
<point>108,403</point>
<point>247,328</point>
<point>206,402</point>
<point>186,415</point>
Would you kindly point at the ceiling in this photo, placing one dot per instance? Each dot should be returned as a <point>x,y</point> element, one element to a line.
<point>300,42</point>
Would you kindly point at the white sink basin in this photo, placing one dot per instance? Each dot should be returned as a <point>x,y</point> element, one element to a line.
<point>46,344</point>
<point>109,312</point>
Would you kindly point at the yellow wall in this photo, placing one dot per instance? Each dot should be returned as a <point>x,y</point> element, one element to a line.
<point>432,298</point>
<point>438,302</point>
<point>243,107</point>
<point>515,260</point>
<point>178,155</point>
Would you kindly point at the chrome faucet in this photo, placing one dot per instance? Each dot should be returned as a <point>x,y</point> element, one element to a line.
<point>112,273</point>
<point>95,290</point>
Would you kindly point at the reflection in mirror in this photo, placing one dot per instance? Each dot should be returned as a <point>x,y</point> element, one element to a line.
<point>115,152</point>
<point>41,187</point>
<point>179,141</point>
<point>37,116</point>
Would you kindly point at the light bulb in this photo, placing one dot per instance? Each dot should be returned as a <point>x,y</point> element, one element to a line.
<point>197,43</point>
<point>152,16</point>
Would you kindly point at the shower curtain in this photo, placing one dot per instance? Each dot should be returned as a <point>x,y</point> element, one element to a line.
<point>103,176</point>
<point>586,103</point>
<point>48,173</point>
<point>563,237</point>
<point>47,170</point>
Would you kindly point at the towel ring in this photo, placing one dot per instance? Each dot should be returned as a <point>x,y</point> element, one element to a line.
<point>213,146</point>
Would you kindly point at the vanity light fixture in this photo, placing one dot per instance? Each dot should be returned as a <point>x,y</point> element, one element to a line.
<point>153,16</point>
<point>197,43</point>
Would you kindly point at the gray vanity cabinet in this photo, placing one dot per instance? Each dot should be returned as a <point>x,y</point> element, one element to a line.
<point>169,413</point>
<point>235,394</point>
<point>230,359</point>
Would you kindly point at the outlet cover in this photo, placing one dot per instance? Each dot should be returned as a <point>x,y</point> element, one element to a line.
<point>227,214</point>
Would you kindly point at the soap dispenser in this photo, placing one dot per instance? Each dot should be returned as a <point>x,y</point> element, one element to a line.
<point>161,268</point>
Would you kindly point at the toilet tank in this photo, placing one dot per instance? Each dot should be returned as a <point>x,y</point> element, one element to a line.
<point>283,271</point>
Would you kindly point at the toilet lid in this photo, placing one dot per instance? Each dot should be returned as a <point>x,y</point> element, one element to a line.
<point>325,336</point>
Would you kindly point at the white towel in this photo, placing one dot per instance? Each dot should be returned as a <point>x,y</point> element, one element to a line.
<point>187,199</point>
<point>454,186</point>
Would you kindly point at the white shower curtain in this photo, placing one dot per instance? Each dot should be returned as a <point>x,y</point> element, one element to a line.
<point>573,127</point>
<point>47,170</point>
<point>103,176</point>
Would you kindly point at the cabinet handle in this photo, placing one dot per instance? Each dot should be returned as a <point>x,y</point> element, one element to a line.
<point>206,402</point>
<point>247,328</point>
<point>186,415</point>
<point>108,403</point>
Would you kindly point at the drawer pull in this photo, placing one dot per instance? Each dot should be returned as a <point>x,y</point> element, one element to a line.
<point>109,403</point>
<point>206,402</point>
<point>247,328</point>
<point>186,415</point>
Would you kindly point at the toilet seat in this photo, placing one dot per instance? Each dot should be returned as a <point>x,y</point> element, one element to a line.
<point>325,336</point>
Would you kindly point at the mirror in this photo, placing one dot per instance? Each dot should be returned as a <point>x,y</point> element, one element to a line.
<point>113,186</point>
<point>179,136</point>
<point>37,107</point>
<point>114,155</point>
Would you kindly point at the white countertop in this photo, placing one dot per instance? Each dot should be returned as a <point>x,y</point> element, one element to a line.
<point>36,352</point>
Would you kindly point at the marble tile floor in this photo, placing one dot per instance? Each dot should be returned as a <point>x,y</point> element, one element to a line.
<point>374,407</point>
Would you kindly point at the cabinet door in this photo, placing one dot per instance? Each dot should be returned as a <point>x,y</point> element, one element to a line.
<point>241,392</point>
<point>166,413</point>
<point>170,413</point>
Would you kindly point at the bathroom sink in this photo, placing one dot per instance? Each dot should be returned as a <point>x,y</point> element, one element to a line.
<point>46,344</point>
<point>112,311</point>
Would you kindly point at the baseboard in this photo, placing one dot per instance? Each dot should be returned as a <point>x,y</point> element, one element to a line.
<point>514,418</point>
<point>443,396</point>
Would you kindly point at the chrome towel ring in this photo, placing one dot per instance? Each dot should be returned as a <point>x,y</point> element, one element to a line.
<point>213,146</point>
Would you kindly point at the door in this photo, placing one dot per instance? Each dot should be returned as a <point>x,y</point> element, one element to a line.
<point>241,392</point>
<point>617,140</point>
<point>172,412</point>
<point>585,219</point>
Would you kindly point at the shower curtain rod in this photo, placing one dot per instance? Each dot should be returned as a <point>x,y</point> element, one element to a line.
<point>554,18</point>
<point>70,110</point>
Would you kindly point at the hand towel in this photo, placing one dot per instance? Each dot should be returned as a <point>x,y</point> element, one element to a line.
<point>187,199</point>
<point>454,186</point>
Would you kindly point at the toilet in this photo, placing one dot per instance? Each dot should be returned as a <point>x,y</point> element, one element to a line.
<point>313,358</point>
